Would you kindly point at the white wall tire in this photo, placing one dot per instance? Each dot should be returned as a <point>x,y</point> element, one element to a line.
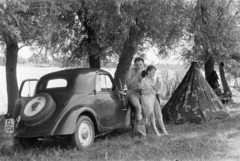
<point>84,135</point>
<point>38,109</point>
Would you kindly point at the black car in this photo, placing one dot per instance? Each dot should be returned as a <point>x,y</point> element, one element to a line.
<point>82,103</point>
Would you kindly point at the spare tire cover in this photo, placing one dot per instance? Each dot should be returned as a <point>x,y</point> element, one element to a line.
<point>38,109</point>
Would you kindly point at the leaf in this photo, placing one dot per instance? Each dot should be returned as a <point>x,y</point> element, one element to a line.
<point>67,7</point>
<point>4,4</point>
<point>1,11</point>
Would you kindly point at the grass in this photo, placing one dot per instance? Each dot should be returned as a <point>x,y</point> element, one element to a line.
<point>209,141</point>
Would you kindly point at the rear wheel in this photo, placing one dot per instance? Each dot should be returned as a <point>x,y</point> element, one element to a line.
<point>28,142</point>
<point>84,134</point>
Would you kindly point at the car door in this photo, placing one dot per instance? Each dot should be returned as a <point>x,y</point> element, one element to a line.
<point>110,107</point>
<point>26,92</point>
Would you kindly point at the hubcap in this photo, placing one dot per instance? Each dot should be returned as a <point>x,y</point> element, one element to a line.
<point>35,106</point>
<point>85,133</point>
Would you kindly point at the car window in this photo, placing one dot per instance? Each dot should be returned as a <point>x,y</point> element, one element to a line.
<point>104,83</point>
<point>28,88</point>
<point>56,83</point>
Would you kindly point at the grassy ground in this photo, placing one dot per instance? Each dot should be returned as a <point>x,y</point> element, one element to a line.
<point>209,141</point>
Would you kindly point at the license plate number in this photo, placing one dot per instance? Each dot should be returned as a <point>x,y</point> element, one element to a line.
<point>9,125</point>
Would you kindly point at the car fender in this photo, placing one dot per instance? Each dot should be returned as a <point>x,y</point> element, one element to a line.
<point>67,122</point>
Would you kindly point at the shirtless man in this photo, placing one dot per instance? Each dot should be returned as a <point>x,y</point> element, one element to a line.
<point>133,77</point>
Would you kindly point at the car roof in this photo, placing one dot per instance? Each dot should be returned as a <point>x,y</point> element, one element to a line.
<point>74,71</point>
<point>79,79</point>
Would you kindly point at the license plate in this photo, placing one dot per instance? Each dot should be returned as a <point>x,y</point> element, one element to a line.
<point>9,125</point>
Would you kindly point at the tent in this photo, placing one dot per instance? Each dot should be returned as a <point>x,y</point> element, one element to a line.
<point>194,101</point>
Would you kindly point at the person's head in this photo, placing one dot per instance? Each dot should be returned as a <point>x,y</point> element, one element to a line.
<point>139,63</point>
<point>151,70</point>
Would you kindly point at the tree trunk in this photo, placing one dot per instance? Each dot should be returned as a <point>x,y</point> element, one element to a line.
<point>200,28</point>
<point>125,59</point>
<point>223,78</point>
<point>209,68</point>
<point>94,62</point>
<point>93,46</point>
<point>11,72</point>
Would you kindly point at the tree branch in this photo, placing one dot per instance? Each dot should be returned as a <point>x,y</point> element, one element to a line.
<point>19,26</point>
<point>22,47</point>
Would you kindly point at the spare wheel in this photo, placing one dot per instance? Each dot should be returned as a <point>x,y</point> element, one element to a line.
<point>38,109</point>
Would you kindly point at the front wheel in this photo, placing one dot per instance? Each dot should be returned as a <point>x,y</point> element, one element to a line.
<point>84,134</point>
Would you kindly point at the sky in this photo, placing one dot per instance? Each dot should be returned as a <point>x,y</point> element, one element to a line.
<point>25,52</point>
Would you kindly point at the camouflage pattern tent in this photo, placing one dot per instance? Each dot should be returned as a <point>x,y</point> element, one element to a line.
<point>194,100</point>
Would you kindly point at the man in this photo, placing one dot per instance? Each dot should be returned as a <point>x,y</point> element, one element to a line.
<point>133,77</point>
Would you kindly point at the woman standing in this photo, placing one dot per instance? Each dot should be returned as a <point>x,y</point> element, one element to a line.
<point>150,105</point>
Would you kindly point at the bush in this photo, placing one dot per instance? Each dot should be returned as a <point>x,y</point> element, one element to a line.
<point>170,79</point>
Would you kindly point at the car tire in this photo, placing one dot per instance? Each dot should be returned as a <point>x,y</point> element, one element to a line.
<point>83,137</point>
<point>38,109</point>
<point>28,142</point>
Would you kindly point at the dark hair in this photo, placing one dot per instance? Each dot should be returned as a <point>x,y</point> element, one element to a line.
<point>149,68</point>
<point>144,73</point>
<point>138,59</point>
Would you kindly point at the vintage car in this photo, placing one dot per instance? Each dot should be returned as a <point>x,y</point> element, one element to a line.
<point>82,103</point>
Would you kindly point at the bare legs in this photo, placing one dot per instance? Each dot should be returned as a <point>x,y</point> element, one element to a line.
<point>159,118</point>
<point>139,126</point>
<point>128,117</point>
<point>153,123</point>
<point>135,101</point>
<point>155,116</point>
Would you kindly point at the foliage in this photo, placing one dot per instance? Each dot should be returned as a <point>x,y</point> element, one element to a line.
<point>38,58</point>
<point>18,19</point>
<point>22,60</point>
<point>170,77</point>
<point>233,68</point>
<point>212,30</point>
<point>33,22</point>
<point>103,26</point>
